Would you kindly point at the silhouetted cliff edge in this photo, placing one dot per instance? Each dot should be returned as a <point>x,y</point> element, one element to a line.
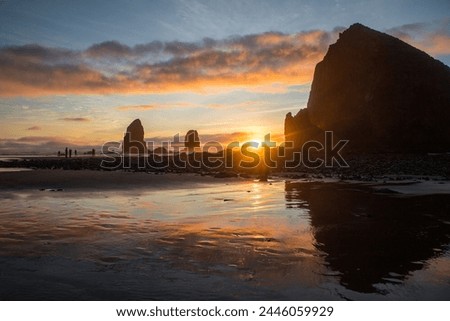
<point>378,92</point>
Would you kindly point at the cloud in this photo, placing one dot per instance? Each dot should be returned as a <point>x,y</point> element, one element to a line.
<point>53,144</point>
<point>172,105</point>
<point>76,119</point>
<point>114,49</point>
<point>223,138</point>
<point>38,139</point>
<point>110,49</point>
<point>34,53</point>
<point>404,31</point>
<point>111,67</point>
<point>155,106</point>
<point>252,105</point>
<point>433,38</point>
<point>34,128</point>
<point>135,107</point>
<point>40,145</point>
<point>31,144</point>
<point>269,61</point>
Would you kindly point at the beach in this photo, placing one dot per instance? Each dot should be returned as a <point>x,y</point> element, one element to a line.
<point>121,235</point>
<point>96,180</point>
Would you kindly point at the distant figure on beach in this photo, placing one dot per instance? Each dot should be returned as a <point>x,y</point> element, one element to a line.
<point>191,140</point>
<point>264,175</point>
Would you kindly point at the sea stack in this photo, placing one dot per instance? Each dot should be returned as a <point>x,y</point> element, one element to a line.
<point>378,92</point>
<point>191,140</point>
<point>133,141</point>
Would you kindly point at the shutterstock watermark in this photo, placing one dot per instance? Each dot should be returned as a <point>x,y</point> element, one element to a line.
<point>212,155</point>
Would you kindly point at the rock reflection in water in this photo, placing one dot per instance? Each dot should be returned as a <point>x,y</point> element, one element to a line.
<point>371,238</point>
<point>269,241</point>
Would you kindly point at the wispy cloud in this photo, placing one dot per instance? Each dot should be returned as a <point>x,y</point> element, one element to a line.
<point>38,139</point>
<point>223,138</point>
<point>39,144</point>
<point>34,128</point>
<point>155,106</point>
<point>135,107</point>
<point>240,105</point>
<point>76,119</point>
<point>434,38</point>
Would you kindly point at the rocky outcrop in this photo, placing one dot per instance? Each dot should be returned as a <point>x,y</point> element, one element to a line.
<point>133,141</point>
<point>160,150</point>
<point>191,139</point>
<point>299,129</point>
<point>379,93</point>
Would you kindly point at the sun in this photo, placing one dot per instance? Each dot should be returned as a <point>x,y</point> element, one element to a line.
<point>256,140</point>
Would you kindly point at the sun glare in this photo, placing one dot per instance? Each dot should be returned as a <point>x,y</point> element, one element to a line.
<point>256,140</point>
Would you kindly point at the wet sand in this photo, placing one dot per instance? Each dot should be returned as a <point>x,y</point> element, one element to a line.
<point>89,180</point>
<point>91,235</point>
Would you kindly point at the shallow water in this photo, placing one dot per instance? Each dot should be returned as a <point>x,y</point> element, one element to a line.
<point>236,240</point>
<point>14,169</point>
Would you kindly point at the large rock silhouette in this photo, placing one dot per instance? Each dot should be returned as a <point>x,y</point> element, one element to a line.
<point>133,141</point>
<point>191,140</point>
<point>378,92</point>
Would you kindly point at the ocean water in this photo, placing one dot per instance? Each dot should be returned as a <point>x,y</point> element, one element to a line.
<point>225,241</point>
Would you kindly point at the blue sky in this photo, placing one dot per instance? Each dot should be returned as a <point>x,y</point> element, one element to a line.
<point>79,24</point>
<point>73,37</point>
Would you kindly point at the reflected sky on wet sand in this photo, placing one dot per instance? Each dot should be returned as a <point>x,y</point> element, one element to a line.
<point>235,240</point>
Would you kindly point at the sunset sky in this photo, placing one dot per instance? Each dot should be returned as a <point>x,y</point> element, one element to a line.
<point>76,73</point>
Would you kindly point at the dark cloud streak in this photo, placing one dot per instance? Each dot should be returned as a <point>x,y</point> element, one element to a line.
<point>34,128</point>
<point>76,119</point>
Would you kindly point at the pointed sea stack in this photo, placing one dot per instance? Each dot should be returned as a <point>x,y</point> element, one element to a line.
<point>133,141</point>
<point>378,92</point>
